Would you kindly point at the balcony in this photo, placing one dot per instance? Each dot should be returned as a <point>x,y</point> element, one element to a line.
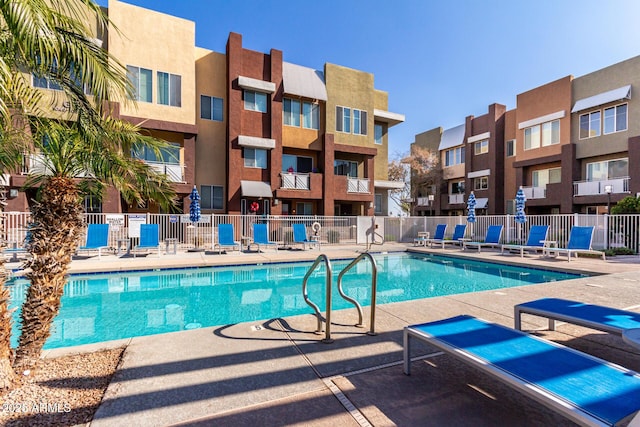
<point>295,181</point>
<point>455,199</point>
<point>357,185</point>
<point>174,173</point>
<point>535,192</point>
<point>591,188</point>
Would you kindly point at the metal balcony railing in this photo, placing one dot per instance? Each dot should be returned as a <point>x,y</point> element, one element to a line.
<point>296,181</point>
<point>535,192</point>
<point>590,188</point>
<point>357,185</point>
<point>456,199</point>
<point>175,173</point>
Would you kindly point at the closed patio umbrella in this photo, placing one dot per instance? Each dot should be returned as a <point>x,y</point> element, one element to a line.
<point>471,207</point>
<point>521,217</point>
<point>194,212</point>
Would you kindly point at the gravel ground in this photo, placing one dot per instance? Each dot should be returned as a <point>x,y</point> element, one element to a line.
<point>65,391</point>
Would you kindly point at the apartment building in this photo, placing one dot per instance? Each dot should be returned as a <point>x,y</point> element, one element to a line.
<point>253,133</point>
<point>568,144</point>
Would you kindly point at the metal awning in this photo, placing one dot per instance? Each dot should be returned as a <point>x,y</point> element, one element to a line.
<point>481,202</point>
<point>256,189</point>
<point>452,137</point>
<point>623,92</point>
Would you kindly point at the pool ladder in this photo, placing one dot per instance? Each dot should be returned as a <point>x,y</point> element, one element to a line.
<point>328,285</point>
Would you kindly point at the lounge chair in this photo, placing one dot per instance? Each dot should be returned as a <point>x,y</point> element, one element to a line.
<point>225,238</point>
<point>491,240</point>
<point>458,233</point>
<point>300,237</point>
<point>149,239</point>
<point>97,239</point>
<point>580,239</point>
<point>583,388</point>
<point>592,316</point>
<point>537,235</point>
<point>261,236</point>
<point>438,235</point>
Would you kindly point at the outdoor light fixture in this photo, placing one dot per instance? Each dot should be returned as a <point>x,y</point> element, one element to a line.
<point>431,198</point>
<point>608,189</point>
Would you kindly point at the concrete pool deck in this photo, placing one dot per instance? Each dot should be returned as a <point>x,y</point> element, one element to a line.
<point>278,372</point>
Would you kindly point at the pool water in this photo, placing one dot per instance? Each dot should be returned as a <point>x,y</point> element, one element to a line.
<point>109,306</point>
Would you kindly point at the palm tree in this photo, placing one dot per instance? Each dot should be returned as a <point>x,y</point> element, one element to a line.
<point>50,39</point>
<point>100,155</point>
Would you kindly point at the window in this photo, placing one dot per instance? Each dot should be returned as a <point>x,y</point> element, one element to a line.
<point>608,169</point>
<point>141,79</point>
<point>590,125</point>
<point>211,108</point>
<point>297,163</point>
<point>45,82</point>
<point>211,196</point>
<point>377,133</point>
<point>481,147</point>
<point>510,148</point>
<point>310,115</point>
<point>304,208</point>
<point>615,119</point>
<point>543,177</point>
<point>169,89</point>
<point>532,137</point>
<point>92,204</point>
<point>291,112</point>
<point>378,204</point>
<point>457,187</point>
<point>359,122</point>
<point>255,158</point>
<point>454,156</point>
<point>551,133</point>
<point>511,207</point>
<point>343,119</point>
<point>169,155</point>
<point>345,167</point>
<point>481,183</point>
<point>255,101</point>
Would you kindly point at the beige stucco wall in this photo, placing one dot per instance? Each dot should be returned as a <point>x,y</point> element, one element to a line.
<point>211,143</point>
<point>606,79</point>
<point>158,42</point>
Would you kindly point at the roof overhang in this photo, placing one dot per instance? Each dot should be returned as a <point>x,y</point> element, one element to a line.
<point>302,81</point>
<point>452,137</point>
<point>478,174</point>
<point>618,94</point>
<point>256,142</point>
<point>481,202</point>
<point>388,117</point>
<point>256,189</point>
<point>389,185</point>
<point>255,84</point>
<point>479,137</point>
<point>542,119</point>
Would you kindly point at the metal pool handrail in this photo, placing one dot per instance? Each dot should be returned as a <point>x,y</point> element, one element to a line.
<point>327,339</point>
<point>374,284</point>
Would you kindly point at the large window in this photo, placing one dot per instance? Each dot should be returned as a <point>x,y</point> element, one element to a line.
<point>542,135</point>
<point>211,196</point>
<point>211,108</point>
<point>615,119</point>
<point>310,115</point>
<point>291,112</point>
<point>378,204</point>
<point>304,208</point>
<point>255,158</point>
<point>481,147</point>
<point>543,177</point>
<point>359,122</point>
<point>291,163</point>
<point>345,167</point>
<point>590,125</point>
<point>169,155</point>
<point>141,79</point>
<point>255,101</point>
<point>608,169</point>
<point>169,89</point>
<point>378,132</point>
<point>454,156</point>
<point>510,148</point>
<point>343,119</point>
<point>481,183</point>
<point>457,187</point>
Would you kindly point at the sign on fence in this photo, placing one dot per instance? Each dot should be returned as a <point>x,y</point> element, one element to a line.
<point>115,221</point>
<point>134,224</point>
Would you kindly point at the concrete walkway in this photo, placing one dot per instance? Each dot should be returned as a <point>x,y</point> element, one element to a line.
<point>278,372</point>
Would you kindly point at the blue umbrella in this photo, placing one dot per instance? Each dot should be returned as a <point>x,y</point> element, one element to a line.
<point>520,218</point>
<point>471,206</point>
<point>194,208</point>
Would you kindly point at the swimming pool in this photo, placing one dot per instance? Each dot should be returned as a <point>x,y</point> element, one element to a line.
<point>109,306</point>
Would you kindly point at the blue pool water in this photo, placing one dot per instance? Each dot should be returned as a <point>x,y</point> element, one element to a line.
<point>102,307</point>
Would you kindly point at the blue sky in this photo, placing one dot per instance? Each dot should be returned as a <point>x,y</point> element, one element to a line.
<point>440,61</point>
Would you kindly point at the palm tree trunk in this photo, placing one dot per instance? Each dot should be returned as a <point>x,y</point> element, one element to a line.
<point>7,374</point>
<point>55,230</point>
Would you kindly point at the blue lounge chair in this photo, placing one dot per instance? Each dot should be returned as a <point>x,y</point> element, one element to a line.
<point>261,236</point>
<point>97,238</point>
<point>458,233</point>
<point>592,316</point>
<point>583,388</point>
<point>438,235</point>
<point>580,239</point>
<point>300,237</point>
<point>149,239</point>
<point>535,241</point>
<point>225,238</point>
<point>491,240</point>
